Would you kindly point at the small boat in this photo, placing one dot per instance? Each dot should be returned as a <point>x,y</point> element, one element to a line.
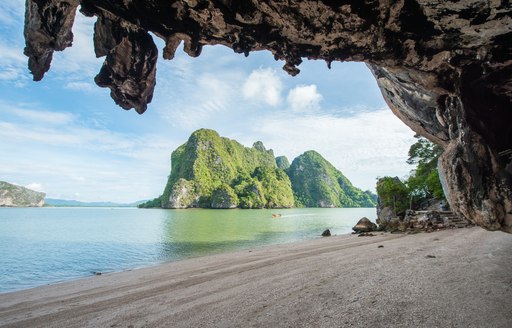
<point>274,215</point>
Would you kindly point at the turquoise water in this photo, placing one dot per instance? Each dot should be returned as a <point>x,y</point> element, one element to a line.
<point>46,245</point>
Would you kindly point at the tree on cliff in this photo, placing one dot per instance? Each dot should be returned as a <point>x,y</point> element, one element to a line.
<point>422,185</point>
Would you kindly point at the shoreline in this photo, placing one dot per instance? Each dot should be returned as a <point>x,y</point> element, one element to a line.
<point>447,278</point>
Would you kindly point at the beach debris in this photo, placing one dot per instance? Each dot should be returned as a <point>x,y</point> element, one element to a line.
<point>430,256</point>
<point>97,273</point>
<point>380,246</point>
<point>364,225</point>
<point>326,233</point>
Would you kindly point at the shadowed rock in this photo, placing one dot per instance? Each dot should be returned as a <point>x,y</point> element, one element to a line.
<point>364,225</point>
<point>444,67</point>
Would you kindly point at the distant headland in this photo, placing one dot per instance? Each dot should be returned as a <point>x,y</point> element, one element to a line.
<point>12,195</point>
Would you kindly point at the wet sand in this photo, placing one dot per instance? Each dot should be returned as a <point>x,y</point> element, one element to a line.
<point>452,278</point>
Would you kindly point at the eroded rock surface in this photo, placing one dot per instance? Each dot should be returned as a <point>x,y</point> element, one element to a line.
<point>444,67</point>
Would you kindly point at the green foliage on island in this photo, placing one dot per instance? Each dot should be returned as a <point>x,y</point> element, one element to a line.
<point>393,193</point>
<point>421,186</point>
<point>316,183</point>
<point>282,162</point>
<point>210,171</point>
<point>17,196</point>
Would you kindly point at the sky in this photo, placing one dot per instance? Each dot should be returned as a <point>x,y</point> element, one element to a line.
<point>66,137</point>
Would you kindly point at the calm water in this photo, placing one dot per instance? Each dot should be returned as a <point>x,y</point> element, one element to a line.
<point>46,245</point>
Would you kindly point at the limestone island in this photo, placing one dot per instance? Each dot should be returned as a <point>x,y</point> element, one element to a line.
<point>210,171</point>
<point>16,196</point>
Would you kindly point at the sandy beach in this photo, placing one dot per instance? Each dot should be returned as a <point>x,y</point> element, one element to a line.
<point>452,278</point>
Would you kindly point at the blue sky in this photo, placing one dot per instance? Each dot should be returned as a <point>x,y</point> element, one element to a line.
<point>66,137</point>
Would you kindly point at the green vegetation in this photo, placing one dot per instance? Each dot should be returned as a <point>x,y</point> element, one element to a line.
<point>151,203</point>
<point>210,171</point>
<point>17,196</point>
<point>282,162</point>
<point>424,181</point>
<point>316,183</point>
<point>393,193</point>
<point>422,185</point>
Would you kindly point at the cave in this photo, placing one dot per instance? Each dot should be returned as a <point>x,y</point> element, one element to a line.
<point>443,67</point>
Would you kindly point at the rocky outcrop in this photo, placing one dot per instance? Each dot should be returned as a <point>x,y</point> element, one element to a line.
<point>364,225</point>
<point>17,196</point>
<point>282,162</point>
<point>424,221</point>
<point>182,195</point>
<point>317,183</point>
<point>210,171</point>
<point>444,67</point>
<point>224,197</point>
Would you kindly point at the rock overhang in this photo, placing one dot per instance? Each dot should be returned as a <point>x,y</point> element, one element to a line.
<point>444,68</point>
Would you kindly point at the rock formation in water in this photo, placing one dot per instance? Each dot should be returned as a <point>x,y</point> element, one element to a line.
<point>444,67</point>
<point>17,196</point>
<point>210,171</point>
<point>316,183</point>
<point>214,172</point>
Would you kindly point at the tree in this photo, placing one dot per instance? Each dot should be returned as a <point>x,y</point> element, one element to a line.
<point>393,193</point>
<point>424,183</point>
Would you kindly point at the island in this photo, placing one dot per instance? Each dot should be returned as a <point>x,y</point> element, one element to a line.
<point>12,195</point>
<point>210,171</point>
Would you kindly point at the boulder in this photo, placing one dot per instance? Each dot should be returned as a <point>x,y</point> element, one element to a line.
<point>364,225</point>
<point>326,233</point>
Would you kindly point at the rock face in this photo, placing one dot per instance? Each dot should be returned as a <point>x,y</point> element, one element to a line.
<point>444,67</point>
<point>424,221</point>
<point>316,183</point>
<point>17,196</point>
<point>364,225</point>
<point>214,172</point>
<point>282,162</point>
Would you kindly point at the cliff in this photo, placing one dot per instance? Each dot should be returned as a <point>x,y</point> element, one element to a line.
<point>210,171</point>
<point>316,183</point>
<point>216,172</point>
<point>17,196</point>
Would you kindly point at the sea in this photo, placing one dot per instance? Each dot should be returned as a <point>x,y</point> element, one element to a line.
<point>40,246</point>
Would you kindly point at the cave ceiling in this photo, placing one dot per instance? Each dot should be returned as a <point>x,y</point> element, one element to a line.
<point>443,67</point>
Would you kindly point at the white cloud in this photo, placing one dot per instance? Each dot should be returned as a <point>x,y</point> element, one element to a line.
<point>363,147</point>
<point>88,87</point>
<point>263,85</point>
<point>35,186</point>
<point>79,61</point>
<point>11,11</point>
<point>304,98</point>
<point>41,116</point>
<point>13,63</point>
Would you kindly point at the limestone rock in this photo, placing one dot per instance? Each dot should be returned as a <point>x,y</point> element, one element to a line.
<point>224,197</point>
<point>326,233</point>
<point>17,196</point>
<point>364,225</point>
<point>182,195</point>
<point>384,216</point>
<point>444,67</point>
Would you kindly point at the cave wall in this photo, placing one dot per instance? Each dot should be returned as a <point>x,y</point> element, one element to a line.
<point>444,67</point>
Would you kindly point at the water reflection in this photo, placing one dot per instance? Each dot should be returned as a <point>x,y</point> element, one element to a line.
<point>197,232</point>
